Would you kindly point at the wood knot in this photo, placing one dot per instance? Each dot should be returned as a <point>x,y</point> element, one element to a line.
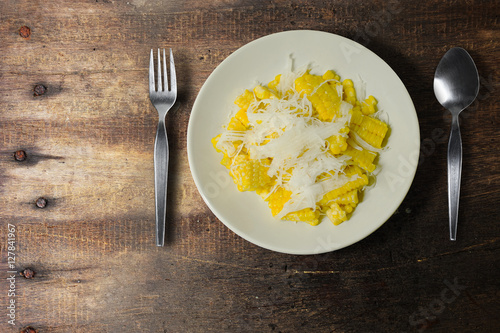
<point>41,202</point>
<point>20,155</point>
<point>25,32</point>
<point>39,90</point>
<point>28,273</point>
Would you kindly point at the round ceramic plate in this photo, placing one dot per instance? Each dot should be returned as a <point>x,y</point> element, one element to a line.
<point>261,60</point>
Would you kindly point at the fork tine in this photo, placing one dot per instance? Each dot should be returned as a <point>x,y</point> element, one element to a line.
<point>151,74</point>
<point>173,80</point>
<point>160,84</point>
<point>165,77</point>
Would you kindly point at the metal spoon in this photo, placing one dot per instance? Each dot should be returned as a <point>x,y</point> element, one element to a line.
<point>456,84</point>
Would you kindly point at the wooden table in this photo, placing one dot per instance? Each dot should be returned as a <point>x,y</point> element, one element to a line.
<point>87,261</point>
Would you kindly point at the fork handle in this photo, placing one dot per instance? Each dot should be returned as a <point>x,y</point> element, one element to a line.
<point>161,177</point>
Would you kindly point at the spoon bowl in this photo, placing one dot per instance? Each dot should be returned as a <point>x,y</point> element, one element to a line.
<point>456,81</point>
<point>456,85</point>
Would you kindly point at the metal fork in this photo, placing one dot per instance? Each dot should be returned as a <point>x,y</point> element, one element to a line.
<point>162,98</point>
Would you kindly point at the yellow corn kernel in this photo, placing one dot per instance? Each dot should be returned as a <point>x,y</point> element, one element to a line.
<point>349,186</point>
<point>323,97</point>
<point>331,75</point>
<point>315,221</point>
<point>347,201</point>
<point>356,109</point>
<point>304,215</point>
<point>324,176</point>
<point>347,83</point>
<point>369,106</point>
<point>263,93</point>
<point>250,175</point>
<point>336,214</point>
<point>277,200</point>
<point>263,192</point>
<point>236,125</point>
<point>352,170</point>
<point>338,143</point>
<point>371,130</point>
<point>274,83</point>
<point>241,115</point>
<point>347,198</point>
<point>269,137</point>
<point>363,158</point>
<point>244,100</point>
<point>349,91</point>
<point>226,161</point>
<point>348,208</point>
<point>214,140</point>
<point>356,115</point>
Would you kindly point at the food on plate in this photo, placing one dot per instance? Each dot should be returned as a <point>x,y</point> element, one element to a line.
<point>306,143</point>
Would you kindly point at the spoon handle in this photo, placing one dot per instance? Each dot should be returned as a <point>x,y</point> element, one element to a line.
<point>454,174</point>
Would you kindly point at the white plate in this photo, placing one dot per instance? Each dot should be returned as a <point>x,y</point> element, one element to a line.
<point>259,61</point>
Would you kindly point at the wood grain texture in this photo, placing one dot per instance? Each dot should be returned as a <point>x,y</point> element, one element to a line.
<point>89,142</point>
